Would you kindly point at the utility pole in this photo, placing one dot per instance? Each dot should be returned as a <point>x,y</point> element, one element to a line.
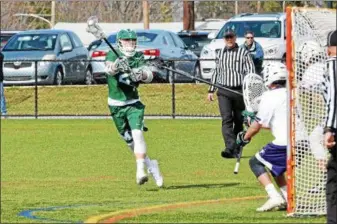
<point>329,4</point>
<point>188,17</point>
<point>52,16</point>
<point>146,15</point>
<point>236,7</point>
<point>258,6</point>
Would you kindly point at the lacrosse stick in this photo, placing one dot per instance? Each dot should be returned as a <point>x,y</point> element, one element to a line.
<point>252,88</point>
<point>94,28</point>
<point>201,80</point>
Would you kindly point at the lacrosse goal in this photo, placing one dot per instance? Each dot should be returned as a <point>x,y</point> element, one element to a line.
<point>307,30</point>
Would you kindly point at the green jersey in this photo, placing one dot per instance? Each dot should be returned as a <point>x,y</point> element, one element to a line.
<point>122,91</point>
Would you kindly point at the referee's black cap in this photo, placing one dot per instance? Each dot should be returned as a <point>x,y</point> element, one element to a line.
<point>229,33</point>
<point>332,38</point>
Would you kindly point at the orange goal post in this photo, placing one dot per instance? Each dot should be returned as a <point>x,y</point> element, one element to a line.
<point>306,34</point>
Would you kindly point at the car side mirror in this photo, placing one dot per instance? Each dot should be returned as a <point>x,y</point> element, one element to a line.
<point>66,49</point>
<point>211,35</point>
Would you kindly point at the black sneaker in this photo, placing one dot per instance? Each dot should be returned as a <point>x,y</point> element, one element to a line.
<point>227,154</point>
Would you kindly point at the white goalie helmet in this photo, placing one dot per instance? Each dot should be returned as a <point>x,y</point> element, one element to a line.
<point>274,71</point>
<point>309,50</point>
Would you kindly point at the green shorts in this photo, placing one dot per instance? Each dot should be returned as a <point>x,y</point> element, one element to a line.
<point>129,117</point>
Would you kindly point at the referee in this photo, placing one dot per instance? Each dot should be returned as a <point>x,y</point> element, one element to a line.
<point>234,63</point>
<point>330,130</point>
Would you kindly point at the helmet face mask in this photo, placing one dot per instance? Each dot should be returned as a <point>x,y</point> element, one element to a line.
<point>127,42</point>
<point>273,72</point>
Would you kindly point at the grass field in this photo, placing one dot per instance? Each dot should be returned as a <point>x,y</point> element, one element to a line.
<point>73,170</point>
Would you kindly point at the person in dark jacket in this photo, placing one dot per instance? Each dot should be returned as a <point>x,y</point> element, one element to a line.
<point>2,95</point>
<point>255,50</point>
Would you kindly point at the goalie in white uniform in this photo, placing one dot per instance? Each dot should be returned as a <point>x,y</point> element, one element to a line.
<point>272,114</point>
<point>312,88</point>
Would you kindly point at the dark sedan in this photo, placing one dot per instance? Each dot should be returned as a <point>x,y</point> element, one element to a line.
<point>194,40</point>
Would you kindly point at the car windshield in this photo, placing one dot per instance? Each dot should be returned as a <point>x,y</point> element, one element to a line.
<point>262,29</point>
<point>198,41</point>
<point>31,42</point>
<point>142,38</point>
<point>4,39</point>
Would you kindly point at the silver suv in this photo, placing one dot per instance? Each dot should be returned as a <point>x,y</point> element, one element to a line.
<point>269,30</point>
<point>60,54</point>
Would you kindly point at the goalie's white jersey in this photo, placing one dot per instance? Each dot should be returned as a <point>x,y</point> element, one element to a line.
<point>315,92</point>
<point>315,139</point>
<point>272,114</point>
<point>314,76</point>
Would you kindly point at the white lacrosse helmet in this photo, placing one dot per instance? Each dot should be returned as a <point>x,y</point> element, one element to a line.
<point>274,71</point>
<point>309,50</point>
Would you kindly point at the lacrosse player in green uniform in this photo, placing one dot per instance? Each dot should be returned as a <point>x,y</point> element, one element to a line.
<point>124,73</point>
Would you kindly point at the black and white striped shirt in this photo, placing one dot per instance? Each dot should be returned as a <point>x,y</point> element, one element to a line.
<point>331,121</point>
<point>232,65</point>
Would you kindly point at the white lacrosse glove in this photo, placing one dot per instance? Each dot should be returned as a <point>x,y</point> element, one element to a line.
<point>143,74</point>
<point>119,65</point>
<point>136,74</point>
<point>122,64</point>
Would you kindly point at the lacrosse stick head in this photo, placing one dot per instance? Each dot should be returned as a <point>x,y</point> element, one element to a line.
<point>94,28</point>
<point>253,88</point>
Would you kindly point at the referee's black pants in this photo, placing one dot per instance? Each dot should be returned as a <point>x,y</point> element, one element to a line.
<point>331,188</point>
<point>231,106</point>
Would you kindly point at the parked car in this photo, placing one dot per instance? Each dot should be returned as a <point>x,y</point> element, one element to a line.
<point>5,36</point>
<point>154,43</point>
<point>195,40</point>
<point>60,54</point>
<point>269,30</point>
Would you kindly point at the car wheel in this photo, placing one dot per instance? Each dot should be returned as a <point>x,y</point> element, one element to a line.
<point>89,79</point>
<point>197,72</point>
<point>58,80</point>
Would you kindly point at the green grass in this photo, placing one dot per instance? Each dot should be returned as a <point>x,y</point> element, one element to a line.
<point>47,163</point>
<point>87,100</point>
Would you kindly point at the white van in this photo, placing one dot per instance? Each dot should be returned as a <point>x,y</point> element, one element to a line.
<point>269,30</point>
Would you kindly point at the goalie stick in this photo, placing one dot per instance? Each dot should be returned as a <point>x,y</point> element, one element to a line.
<point>252,88</point>
<point>94,28</point>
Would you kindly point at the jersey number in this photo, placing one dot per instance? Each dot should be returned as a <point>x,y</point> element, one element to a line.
<point>124,78</point>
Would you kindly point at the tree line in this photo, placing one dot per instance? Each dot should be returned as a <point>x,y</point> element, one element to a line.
<point>110,11</point>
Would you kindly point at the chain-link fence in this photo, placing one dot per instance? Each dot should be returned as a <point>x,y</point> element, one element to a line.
<point>61,88</point>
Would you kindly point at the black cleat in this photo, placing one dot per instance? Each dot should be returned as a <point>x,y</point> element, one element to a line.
<point>227,155</point>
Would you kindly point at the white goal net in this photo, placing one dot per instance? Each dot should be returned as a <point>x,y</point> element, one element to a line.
<point>307,156</point>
